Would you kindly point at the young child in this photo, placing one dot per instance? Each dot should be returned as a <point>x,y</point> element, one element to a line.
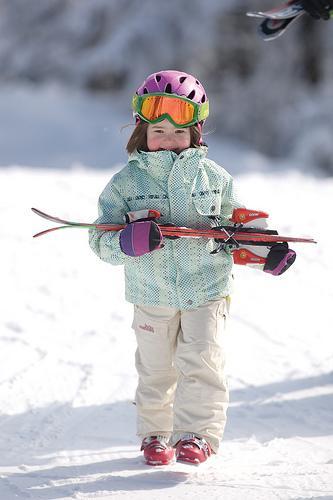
<point>180,291</point>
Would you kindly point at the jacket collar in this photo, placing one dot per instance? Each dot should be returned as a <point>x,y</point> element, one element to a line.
<point>160,163</point>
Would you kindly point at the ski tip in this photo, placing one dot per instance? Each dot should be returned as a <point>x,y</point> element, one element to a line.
<point>36,211</point>
<point>37,234</point>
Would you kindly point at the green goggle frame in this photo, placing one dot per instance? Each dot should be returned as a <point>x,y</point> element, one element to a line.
<point>200,111</point>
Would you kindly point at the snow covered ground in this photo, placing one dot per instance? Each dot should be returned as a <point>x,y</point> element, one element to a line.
<point>67,376</point>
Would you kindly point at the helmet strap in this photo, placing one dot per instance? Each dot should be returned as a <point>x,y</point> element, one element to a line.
<point>199,125</point>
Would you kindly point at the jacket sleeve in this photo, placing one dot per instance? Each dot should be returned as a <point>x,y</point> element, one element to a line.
<point>229,200</point>
<point>111,209</point>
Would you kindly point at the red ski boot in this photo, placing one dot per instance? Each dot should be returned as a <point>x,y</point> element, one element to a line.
<point>157,451</point>
<point>192,449</point>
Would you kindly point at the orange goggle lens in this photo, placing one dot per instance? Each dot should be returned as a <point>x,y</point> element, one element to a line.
<point>180,111</point>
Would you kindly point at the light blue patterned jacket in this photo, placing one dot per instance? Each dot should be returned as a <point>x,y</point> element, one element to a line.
<point>187,189</point>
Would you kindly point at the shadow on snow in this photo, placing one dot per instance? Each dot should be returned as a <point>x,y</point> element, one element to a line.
<point>60,430</point>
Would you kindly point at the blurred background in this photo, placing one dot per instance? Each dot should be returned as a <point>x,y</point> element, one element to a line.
<point>70,67</point>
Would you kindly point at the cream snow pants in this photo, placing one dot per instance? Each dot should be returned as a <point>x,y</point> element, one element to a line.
<point>180,362</point>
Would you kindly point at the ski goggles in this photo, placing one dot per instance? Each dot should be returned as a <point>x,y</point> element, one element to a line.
<point>180,111</point>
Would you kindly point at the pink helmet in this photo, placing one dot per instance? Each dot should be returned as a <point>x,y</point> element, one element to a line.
<point>174,82</point>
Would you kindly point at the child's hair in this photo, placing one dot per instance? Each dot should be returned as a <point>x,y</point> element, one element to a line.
<point>138,139</point>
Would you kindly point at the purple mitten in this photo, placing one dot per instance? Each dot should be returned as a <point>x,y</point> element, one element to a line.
<point>279,259</point>
<point>139,238</point>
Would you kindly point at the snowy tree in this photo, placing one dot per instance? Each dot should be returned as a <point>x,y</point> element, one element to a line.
<point>277,96</point>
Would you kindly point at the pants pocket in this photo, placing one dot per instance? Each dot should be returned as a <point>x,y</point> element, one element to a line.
<point>222,317</point>
<point>154,349</point>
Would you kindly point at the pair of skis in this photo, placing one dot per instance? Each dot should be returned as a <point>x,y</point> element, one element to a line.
<point>274,22</point>
<point>236,236</point>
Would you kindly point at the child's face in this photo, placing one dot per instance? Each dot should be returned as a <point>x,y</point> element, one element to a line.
<point>164,136</point>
